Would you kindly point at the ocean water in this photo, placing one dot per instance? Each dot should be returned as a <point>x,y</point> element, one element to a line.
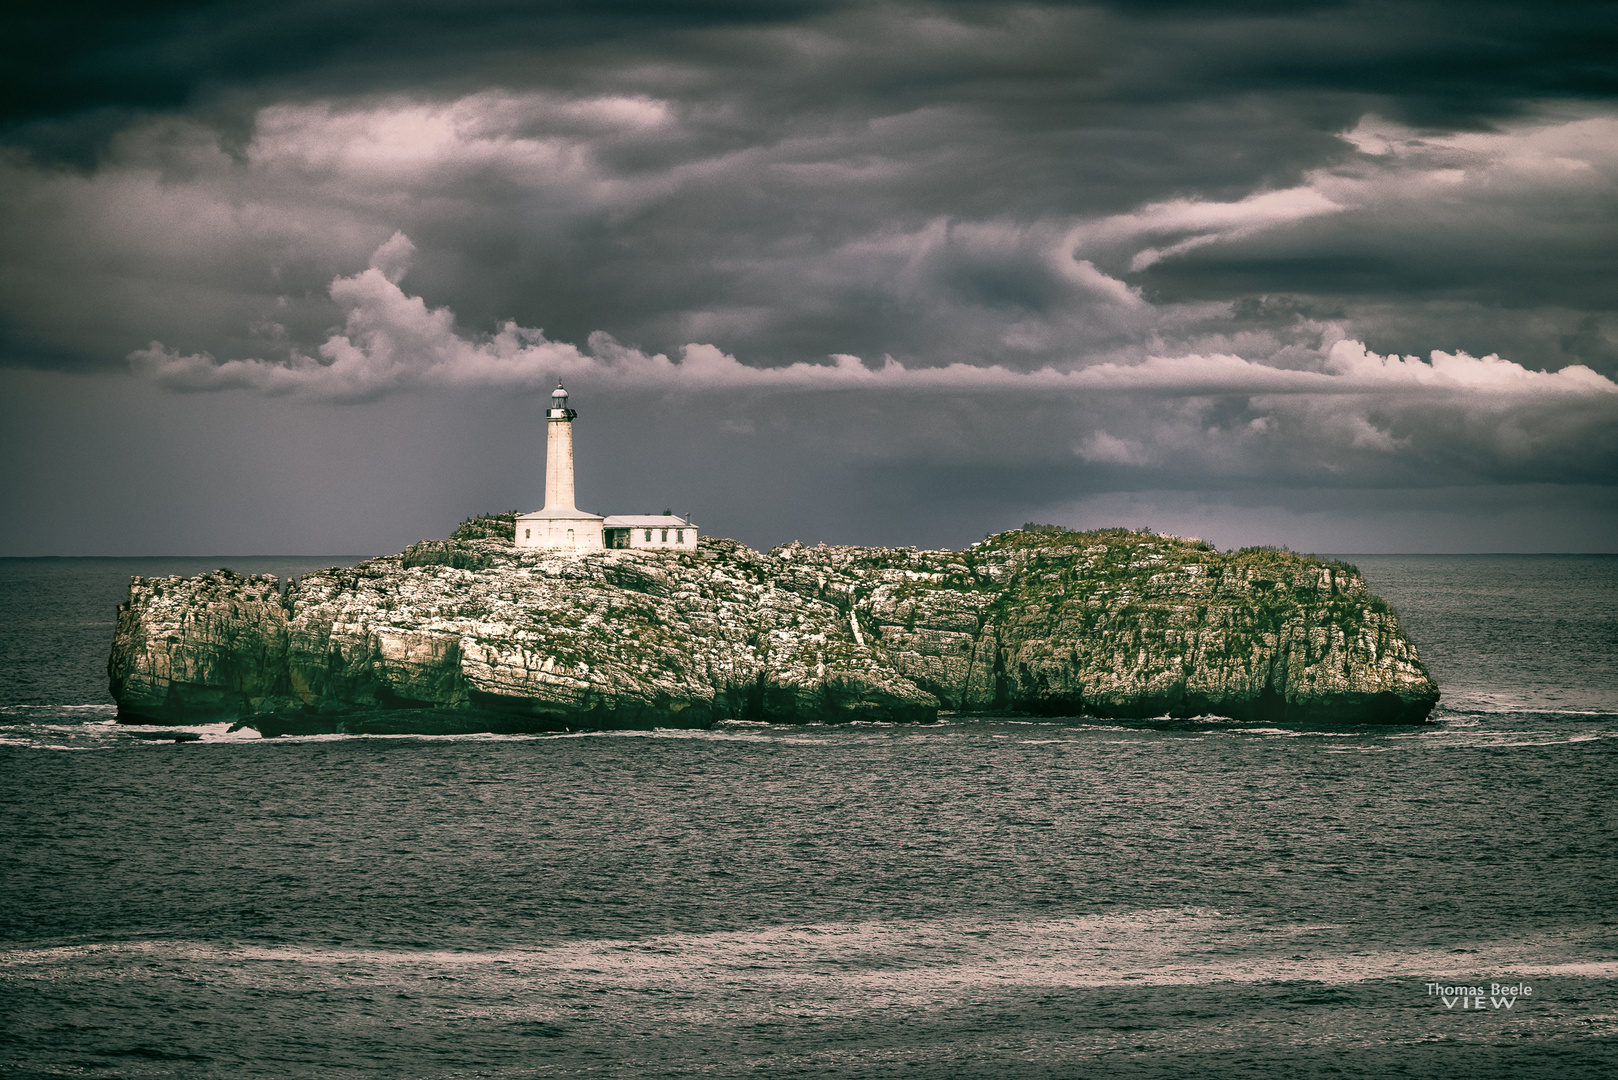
<point>980,898</point>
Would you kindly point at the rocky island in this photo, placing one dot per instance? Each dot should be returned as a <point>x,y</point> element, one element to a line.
<point>476,634</point>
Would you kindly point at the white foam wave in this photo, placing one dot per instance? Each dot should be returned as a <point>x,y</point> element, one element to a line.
<point>1488,706</point>
<point>920,962</point>
<point>35,744</point>
<point>1580,969</point>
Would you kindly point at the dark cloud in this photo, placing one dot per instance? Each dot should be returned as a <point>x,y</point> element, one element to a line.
<point>128,56</point>
<point>1592,345</point>
<point>1033,67</point>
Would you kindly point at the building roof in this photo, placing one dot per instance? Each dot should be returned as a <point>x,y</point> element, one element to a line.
<point>560,515</point>
<point>647,521</point>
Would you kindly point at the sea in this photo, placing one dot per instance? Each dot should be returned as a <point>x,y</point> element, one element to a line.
<point>983,897</point>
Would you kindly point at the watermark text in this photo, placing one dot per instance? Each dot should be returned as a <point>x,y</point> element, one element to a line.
<point>1495,996</point>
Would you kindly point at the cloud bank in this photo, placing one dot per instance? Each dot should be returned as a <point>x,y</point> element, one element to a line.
<point>393,341</point>
<point>620,212</point>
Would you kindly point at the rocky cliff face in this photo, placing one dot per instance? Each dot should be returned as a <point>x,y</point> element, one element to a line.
<point>471,634</point>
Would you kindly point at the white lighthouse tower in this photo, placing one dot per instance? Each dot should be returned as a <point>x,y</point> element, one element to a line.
<point>560,524</point>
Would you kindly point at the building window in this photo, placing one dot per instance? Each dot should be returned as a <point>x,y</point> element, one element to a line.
<point>679,536</point>
<point>570,537</point>
<point>648,536</point>
<point>665,536</point>
<point>528,534</point>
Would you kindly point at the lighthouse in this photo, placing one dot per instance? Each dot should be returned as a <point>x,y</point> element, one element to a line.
<point>560,524</point>
<point>559,453</point>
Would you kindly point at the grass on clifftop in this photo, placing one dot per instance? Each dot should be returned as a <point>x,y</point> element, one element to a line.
<point>1261,559</point>
<point>1032,536</point>
<point>488,527</point>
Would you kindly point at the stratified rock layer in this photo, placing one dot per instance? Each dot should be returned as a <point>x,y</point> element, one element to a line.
<point>475,635</point>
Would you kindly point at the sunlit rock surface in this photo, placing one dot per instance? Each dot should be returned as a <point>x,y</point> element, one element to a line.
<point>472,634</point>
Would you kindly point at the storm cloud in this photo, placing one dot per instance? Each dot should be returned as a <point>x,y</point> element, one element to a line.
<point>1066,253</point>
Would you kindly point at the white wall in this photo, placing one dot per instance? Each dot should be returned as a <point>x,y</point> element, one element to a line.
<point>565,534</point>
<point>637,538</point>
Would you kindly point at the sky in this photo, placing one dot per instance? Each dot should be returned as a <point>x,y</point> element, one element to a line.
<point>298,278</point>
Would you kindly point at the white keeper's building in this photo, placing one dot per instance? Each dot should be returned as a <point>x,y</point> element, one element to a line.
<point>563,526</point>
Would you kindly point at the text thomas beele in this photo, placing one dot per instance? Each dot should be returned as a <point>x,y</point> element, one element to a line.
<point>1499,996</point>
